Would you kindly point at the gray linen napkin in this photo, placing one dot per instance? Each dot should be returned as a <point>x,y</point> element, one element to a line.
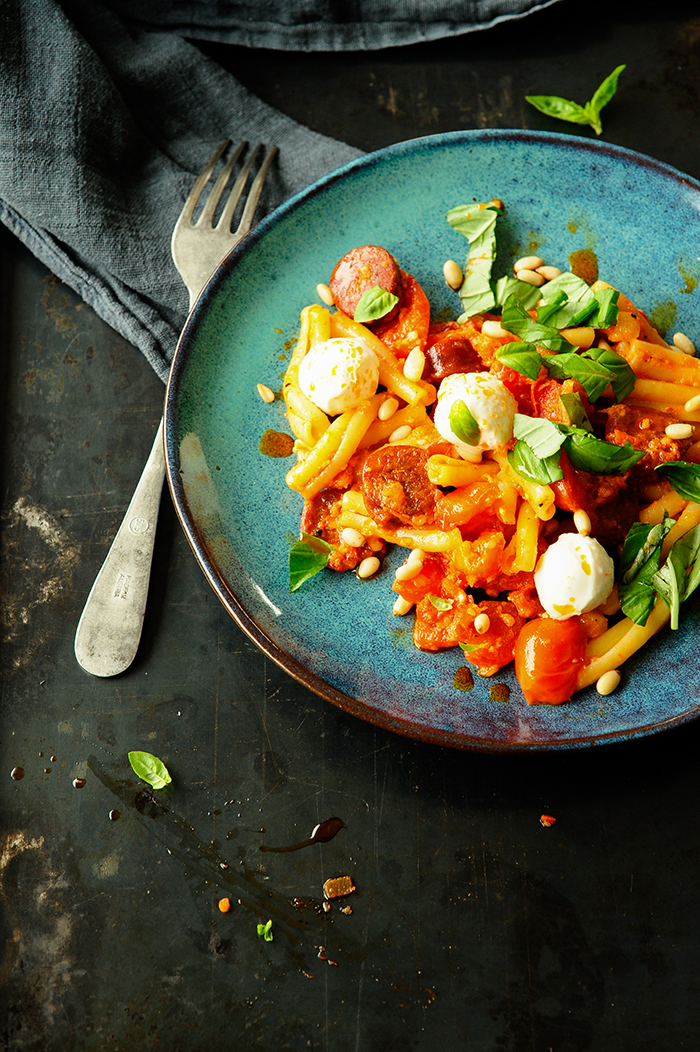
<point>104,124</point>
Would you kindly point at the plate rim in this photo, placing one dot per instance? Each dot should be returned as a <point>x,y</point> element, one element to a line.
<point>235,608</point>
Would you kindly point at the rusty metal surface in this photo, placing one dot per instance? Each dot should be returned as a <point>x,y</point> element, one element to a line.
<point>473,926</point>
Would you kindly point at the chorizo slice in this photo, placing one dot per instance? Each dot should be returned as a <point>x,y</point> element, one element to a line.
<point>451,351</point>
<point>359,271</point>
<point>395,486</point>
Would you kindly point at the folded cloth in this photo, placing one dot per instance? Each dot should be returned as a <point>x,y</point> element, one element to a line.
<point>104,125</point>
<point>312,25</point>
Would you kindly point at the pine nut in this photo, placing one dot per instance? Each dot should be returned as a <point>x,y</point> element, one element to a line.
<point>401,606</point>
<point>387,408</point>
<point>416,553</point>
<point>682,342</point>
<point>265,393</point>
<point>400,433</point>
<point>527,263</point>
<point>453,274</point>
<point>493,328</point>
<point>409,570</point>
<point>608,682</point>
<point>583,336</point>
<point>530,276</point>
<point>414,365</point>
<point>368,567</point>
<point>582,522</point>
<point>352,537</point>
<point>325,294</point>
<point>603,344</point>
<point>496,202</point>
<point>679,430</point>
<point>548,273</point>
<point>692,404</point>
<point>482,623</point>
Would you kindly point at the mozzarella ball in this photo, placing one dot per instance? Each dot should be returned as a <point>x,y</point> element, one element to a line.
<point>574,575</point>
<point>339,374</point>
<point>490,403</point>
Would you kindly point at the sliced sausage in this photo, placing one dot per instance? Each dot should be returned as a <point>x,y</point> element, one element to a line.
<point>359,271</point>
<point>451,352</point>
<point>396,487</point>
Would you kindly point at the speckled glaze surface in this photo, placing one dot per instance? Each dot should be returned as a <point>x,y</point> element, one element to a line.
<point>338,634</point>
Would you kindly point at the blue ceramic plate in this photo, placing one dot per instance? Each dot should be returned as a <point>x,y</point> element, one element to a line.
<point>337,634</point>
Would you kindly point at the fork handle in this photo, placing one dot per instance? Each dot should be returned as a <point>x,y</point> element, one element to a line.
<point>109,629</point>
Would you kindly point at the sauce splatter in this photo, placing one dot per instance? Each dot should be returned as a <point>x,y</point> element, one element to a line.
<point>276,444</point>
<point>321,834</point>
<point>663,316</point>
<point>584,264</point>
<point>464,679</point>
<point>499,692</point>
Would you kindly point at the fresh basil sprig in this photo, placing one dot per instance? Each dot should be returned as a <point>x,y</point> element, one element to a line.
<point>540,441</point>
<point>463,424</point>
<point>566,110</point>
<point>522,358</point>
<point>150,769</point>
<point>643,578</point>
<point>265,931</point>
<point>578,417</point>
<point>374,304</point>
<point>307,558</point>
<point>569,302</point>
<point>592,376</point>
<point>683,476</point>
<point>478,224</point>
<point>516,319</point>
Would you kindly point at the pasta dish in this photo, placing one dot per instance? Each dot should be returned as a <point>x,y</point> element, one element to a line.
<point>536,458</point>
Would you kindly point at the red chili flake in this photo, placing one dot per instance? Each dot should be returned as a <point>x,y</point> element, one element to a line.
<point>547,820</point>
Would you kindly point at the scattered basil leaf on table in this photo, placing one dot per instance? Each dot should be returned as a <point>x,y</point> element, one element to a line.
<point>463,424</point>
<point>150,769</point>
<point>567,110</point>
<point>265,931</point>
<point>478,225</point>
<point>683,476</point>
<point>374,304</point>
<point>307,558</point>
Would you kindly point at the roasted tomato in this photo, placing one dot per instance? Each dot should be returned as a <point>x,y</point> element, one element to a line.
<point>548,658</point>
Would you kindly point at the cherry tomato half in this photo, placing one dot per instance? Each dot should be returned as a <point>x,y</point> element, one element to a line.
<point>548,658</point>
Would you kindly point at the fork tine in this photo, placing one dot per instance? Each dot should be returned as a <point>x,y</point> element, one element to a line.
<point>218,188</point>
<point>236,191</point>
<point>251,204</point>
<point>202,180</point>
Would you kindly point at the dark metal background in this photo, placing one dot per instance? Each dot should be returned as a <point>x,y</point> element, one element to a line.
<point>472,927</point>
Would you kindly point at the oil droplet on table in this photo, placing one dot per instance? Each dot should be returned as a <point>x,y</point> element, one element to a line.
<point>276,444</point>
<point>17,773</point>
<point>321,834</point>
<point>584,264</point>
<point>78,783</point>
<point>114,814</point>
<point>464,680</point>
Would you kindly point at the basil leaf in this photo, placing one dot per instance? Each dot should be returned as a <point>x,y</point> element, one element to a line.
<point>542,436</point>
<point>516,320</point>
<point>526,463</point>
<point>463,423</point>
<point>580,302</point>
<point>622,377</point>
<point>265,931</point>
<point>549,308</point>
<point>525,293</point>
<point>578,417</point>
<point>592,375</point>
<point>441,604</point>
<point>522,358</point>
<point>602,97</point>
<point>683,476</point>
<point>562,109</point>
<point>608,310</point>
<point>478,225</point>
<point>640,544</point>
<point>150,769</point>
<point>686,551</point>
<point>307,558</point>
<point>471,646</point>
<point>636,601</point>
<point>566,110</point>
<point>667,584</point>
<point>375,303</point>
<point>588,453</point>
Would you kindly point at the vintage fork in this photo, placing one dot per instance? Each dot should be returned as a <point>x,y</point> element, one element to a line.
<point>109,629</point>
